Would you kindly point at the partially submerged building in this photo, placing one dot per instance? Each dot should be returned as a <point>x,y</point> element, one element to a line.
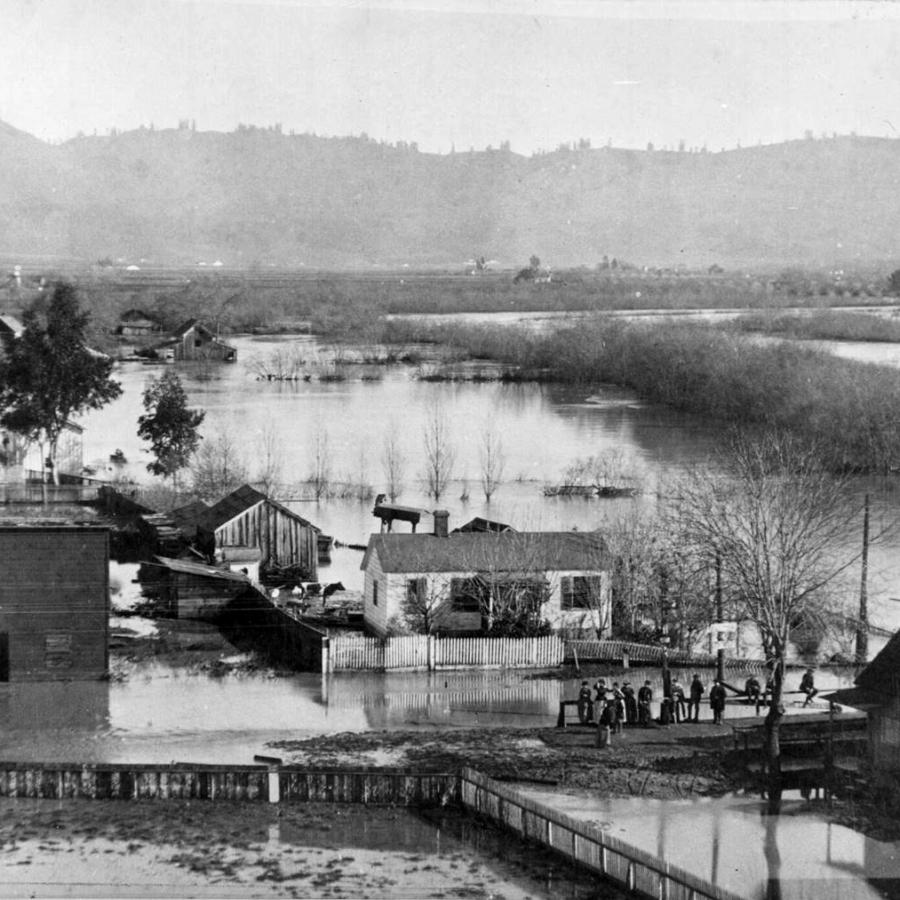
<point>459,581</point>
<point>194,341</point>
<point>192,590</point>
<point>54,602</point>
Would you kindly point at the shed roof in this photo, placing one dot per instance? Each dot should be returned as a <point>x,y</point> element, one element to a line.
<point>544,551</point>
<point>11,325</point>
<point>198,569</point>
<point>237,503</point>
<point>882,675</point>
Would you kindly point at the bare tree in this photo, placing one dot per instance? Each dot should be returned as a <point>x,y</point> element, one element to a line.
<point>270,457</point>
<point>320,475</point>
<point>218,466</point>
<point>440,454</point>
<point>493,461</point>
<point>775,522</point>
<point>393,462</point>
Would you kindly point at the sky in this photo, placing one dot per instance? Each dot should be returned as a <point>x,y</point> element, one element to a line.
<point>457,73</point>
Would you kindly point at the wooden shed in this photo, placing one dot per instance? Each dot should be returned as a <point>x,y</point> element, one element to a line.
<point>248,518</point>
<point>194,341</point>
<point>191,590</point>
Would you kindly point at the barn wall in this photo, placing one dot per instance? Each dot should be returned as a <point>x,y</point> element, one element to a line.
<point>282,539</point>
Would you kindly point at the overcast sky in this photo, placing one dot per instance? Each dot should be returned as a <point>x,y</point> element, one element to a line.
<point>458,72</point>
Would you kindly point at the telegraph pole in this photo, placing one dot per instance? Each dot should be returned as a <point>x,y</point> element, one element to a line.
<point>720,650</point>
<point>862,625</point>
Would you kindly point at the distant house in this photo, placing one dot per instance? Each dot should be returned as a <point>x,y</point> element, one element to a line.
<point>194,341</point>
<point>54,602</point>
<point>248,518</point>
<point>877,692</point>
<point>135,323</point>
<point>478,524</point>
<point>559,577</point>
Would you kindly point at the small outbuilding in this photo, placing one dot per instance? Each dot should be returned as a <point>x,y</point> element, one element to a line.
<point>192,590</point>
<point>248,518</point>
<point>194,341</point>
<point>54,602</point>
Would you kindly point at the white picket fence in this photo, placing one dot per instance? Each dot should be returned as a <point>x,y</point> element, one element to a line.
<point>423,651</point>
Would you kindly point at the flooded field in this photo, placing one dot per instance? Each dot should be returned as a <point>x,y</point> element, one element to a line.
<point>733,843</point>
<point>180,849</point>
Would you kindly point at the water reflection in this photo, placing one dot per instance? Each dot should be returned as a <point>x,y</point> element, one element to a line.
<point>731,841</point>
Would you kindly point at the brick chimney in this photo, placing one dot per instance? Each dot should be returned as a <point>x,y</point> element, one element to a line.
<point>441,522</point>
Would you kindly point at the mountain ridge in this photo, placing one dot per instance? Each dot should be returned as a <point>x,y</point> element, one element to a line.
<point>258,197</point>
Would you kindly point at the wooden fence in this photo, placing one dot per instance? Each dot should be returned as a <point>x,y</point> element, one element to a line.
<point>423,651</point>
<point>583,843</point>
<point>627,653</point>
<point>194,781</point>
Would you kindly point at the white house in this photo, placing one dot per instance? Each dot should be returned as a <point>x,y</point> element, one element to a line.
<point>465,581</point>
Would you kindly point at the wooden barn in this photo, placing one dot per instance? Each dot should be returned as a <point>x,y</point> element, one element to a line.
<point>191,590</point>
<point>248,518</point>
<point>194,341</point>
<point>54,602</point>
<point>136,323</point>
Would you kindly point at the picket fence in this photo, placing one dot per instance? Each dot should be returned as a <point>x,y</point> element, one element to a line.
<point>422,651</point>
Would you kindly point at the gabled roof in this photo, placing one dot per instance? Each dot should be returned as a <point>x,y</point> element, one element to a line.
<point>510,551</point>
<point>882,675</point>
<point>481,524</point>
<point>186,517</point>
<point>238,502</point>
<point>185,327</point>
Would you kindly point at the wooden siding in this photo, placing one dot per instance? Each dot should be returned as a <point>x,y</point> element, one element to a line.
<point>54,601</point>
<point>884,735</point>
<point>282,539</point>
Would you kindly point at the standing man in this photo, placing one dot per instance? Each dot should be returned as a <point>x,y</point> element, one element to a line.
<point>808,686</point>
<point>697,691</point>
<point>717,701</point>
<point>678,701</point>
<point>631,707</point>
<point>645,698</point>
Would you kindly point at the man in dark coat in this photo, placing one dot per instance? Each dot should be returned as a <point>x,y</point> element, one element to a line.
<point>717,701</point>
<point>631,707</point>
<point>644,698</point>
<point>697,691</point>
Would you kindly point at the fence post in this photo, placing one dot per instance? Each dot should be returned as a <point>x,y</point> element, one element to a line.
<point>326,662</point>
<point>625,659</point>
<point>429,653</point>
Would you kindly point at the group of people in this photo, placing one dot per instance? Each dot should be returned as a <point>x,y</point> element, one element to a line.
<point>622,705</point>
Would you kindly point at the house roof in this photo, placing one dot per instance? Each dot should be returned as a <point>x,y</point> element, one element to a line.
<point>882,675</point>
<point>543,551</point>
<point>186,517</point>
<point>481,524</point>
<point>11,325</point>
<point>238,502</point>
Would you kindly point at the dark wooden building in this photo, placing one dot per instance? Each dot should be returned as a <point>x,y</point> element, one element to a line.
<point>194,341</point>
<point>191,590</point>
<point>248,518</point>
<point>54,602</point>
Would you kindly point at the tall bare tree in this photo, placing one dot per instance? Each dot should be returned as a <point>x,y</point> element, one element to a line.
<point>776,522</point>
<point>393,462</point>
<point>493,461</point>
<point>218,466</point>
<point>320,474</point>
<point>270,460</point>
<point>440,454</point>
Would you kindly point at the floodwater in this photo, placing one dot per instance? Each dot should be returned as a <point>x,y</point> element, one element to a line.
<point>544,429</point>
<point>164,714</point>
<point>178,849</point>
<point>732,842</point>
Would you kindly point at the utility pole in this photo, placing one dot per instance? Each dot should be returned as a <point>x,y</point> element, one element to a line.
<point>862,625</point>
<point>720,651</point>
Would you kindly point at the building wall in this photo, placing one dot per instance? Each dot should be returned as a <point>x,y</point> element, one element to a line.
<point>199,345</point>
<point>282,539</point>
<point>884,735</point>
<point>392,589</point>
<point>54,601</point>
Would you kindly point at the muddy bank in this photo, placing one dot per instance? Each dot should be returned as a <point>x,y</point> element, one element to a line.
<point>681,761</point>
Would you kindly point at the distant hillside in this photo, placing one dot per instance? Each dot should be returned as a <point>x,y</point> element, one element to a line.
<point>259,197</point>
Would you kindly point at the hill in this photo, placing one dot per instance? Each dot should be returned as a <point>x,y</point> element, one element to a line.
<point>258,197</point>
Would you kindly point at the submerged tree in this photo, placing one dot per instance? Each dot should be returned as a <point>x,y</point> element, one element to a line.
<point>49,375</point>
<point>169,425</point>
<point>440,454</point>
<point>776,523</point>
<point>218,467</point>
<point>493,462</point>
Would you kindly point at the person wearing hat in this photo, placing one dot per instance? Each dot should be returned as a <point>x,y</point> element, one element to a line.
<point>585,704</point>
<point>631,707</point>
<point>644,698</point>
<point>696,694</point>
<point>717,701</point>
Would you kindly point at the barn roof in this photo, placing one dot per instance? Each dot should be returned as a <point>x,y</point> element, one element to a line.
<point>198,569</point>
<point>542,551</point>
<point>882,675</point>
<point>237,503</point>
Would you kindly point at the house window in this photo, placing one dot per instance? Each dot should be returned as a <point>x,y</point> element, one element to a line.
<point>198,342</point>
<point>416,591</point>
<point>374,593</point>
<point>581,591</point>
<point>465,594</point>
